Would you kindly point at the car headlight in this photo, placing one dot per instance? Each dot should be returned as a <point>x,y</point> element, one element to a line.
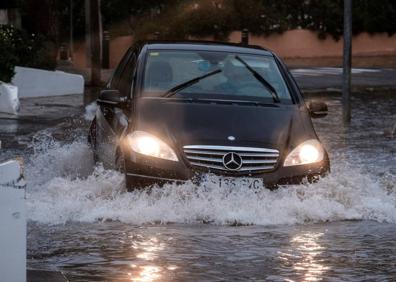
<point>146,144</point>
<point>310,151</point>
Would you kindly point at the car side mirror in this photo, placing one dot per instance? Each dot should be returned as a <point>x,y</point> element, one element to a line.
<point>111,97</point>
<point>317,109</point>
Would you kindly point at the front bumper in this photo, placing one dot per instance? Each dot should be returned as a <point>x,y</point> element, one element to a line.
<point>143,171</point>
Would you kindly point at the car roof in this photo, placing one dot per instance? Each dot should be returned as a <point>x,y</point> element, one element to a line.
<point>205,46</point>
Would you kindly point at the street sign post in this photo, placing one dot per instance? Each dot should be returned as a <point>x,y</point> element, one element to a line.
<point>347,63</point>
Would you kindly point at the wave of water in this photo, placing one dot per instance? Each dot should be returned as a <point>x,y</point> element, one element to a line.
<point>64,186</point>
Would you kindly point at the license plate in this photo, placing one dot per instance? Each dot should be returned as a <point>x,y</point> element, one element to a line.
<point>252,183</point>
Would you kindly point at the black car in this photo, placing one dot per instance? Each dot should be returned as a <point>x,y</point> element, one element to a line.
<point>175,111</point>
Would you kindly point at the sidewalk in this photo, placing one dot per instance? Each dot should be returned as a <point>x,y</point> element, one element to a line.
<point>325,79</point>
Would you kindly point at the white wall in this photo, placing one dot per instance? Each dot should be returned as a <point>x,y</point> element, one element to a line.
<point>9,102</point>
<point>41,83</point>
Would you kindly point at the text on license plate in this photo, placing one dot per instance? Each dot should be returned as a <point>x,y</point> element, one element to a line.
<point>253,183</point>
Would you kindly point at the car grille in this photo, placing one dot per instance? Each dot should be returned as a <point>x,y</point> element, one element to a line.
<point>211,157</point>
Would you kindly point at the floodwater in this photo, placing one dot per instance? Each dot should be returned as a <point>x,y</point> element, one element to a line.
<point>343,228</point>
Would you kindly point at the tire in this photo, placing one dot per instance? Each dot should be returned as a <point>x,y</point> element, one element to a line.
<point>92,139</point>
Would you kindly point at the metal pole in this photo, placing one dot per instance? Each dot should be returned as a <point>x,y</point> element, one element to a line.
<point>245,36</point>
<point>96,43</point>
<point>71,47</point>
<point>347,63</point>
<point>88,33</point>
<point>106,50</point>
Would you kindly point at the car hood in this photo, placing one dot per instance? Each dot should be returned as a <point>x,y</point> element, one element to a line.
<point>211,123</point>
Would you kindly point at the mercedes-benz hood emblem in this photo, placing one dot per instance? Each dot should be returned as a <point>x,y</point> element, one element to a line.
<point>232,161</point>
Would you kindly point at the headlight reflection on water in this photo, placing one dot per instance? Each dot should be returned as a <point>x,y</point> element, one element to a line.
<point>145,267</point>
<point>304,257</point>
<point>147,273</point>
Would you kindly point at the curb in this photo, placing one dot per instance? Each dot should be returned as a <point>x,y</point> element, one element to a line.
<point>355,90</point>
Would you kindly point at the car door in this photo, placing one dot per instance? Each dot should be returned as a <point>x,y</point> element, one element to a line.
<point>112,120</point>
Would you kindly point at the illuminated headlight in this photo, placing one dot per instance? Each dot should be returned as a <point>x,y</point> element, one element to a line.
<point>146,144</point>
<point>308,152</point>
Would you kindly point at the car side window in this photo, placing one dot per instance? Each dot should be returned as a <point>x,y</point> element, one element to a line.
<point>126,79</point>
<point>115,80</point>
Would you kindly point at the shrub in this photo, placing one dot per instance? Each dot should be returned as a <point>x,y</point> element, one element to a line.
<point>8,58</point>
<point>20,48</point>
<point>181,19</point>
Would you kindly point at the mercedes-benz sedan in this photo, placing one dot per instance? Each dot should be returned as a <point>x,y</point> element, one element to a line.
<point>175,111</point>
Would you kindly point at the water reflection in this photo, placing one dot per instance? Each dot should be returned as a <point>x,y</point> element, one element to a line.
<point>304,257</point>
<point>146,269</point>
<point>149,249</point>
<point>147,273</point>
<point>131,251</point>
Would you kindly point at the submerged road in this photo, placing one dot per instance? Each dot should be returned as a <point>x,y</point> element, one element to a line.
<point>82,222</point>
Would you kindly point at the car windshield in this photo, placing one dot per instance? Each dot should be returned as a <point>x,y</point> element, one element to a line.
<point>166,69</point>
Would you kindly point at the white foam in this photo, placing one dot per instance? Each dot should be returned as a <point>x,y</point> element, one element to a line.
<point>90,111</point>
<point>52,159</point>
<point>63,188</point>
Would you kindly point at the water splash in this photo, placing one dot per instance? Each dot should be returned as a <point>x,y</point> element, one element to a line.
<point>90,111</point>
<point>63,187</point>
<point>52,159</point>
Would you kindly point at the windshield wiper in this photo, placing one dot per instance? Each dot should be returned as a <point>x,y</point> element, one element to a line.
<point>261,79</point>
<point>188,83</point>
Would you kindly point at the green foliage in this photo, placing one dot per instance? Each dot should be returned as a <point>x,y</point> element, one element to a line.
<point>177,19</point>
<point>20,48</point>
<point>8,58</point>
<point>116,10</point>
<point>374,16</point>
<point>190,20</point>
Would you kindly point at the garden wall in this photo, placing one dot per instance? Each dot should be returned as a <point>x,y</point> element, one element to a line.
<point>297,47</point>
<point>303,47</point>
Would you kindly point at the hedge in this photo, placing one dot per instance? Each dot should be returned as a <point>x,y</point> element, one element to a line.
<point>17,47</point>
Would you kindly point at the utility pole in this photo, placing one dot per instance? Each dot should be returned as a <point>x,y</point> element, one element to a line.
<point>96,42</point>
<point>347,63</point>
<point>94,28</point>
<point>245,36</point>
<point>71,47</point>
<point>106,50</point>
<point>88,33</point>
